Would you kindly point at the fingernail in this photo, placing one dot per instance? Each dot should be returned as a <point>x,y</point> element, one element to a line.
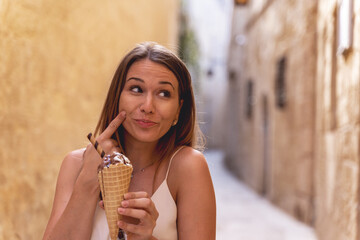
<point>124,203</point>
<point>121,210</point>
<point>123,114</point>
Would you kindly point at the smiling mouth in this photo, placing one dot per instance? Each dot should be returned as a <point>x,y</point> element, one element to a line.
<point>145,123</point>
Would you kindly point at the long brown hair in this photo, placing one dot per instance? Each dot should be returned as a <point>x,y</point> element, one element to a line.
<point>186,131</point>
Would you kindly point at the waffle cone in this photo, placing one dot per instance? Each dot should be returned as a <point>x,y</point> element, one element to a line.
<point>114,183</point>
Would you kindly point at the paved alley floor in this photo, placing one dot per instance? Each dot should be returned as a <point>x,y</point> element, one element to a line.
<point>244,215</point>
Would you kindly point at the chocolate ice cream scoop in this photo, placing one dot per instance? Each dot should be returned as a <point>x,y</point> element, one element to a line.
<point>115,158</point>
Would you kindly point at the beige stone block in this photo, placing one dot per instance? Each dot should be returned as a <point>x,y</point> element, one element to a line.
<point>329,169</point>
<point>304,176</point>
<point>348,88</point>
<point>303,209</point>
<point>348,144</point>
<point>346,201</point>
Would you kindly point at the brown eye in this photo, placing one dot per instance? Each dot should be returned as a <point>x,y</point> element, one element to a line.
<point>164,93</point>
<point>136,89</point>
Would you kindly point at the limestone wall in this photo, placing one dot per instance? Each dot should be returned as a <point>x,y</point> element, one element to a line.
<point>276,145</point>
<point>56,63</point>
<point>337,125</point>
<point>306,160</point>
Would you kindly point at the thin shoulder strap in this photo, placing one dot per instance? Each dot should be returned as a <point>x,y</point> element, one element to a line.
<point>167,172</point>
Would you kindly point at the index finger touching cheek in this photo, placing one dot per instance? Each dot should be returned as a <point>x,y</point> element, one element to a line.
<point>113,126</point>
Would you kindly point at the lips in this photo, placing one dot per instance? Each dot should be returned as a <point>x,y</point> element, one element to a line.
<point>144,123</point>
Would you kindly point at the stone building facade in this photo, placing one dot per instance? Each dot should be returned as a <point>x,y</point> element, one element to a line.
<point>57,59</point>
<point>337,123</point>
<point>294,104</point>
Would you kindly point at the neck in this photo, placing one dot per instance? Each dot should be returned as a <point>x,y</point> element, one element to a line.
<point>140,154</point>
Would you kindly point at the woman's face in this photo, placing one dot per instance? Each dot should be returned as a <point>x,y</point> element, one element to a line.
<point>150,99</point>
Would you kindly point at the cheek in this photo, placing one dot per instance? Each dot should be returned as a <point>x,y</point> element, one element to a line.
<point>169,112</point>
<point>125,104</point>
<point>121,105</point>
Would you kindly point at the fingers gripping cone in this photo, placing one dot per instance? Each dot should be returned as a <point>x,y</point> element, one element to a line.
<point>114,177</point>
<point>114,183</point>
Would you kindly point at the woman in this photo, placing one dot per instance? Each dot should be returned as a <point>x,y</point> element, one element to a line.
<point>149,114</point>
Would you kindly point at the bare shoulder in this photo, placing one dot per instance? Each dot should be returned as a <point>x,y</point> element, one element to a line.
<point>70,169</point>
<point>189,165</point>
<point>73,160</point>
<point>189,158</point>
<point>75,155</point>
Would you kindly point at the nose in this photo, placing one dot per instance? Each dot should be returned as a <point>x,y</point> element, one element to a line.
<point>147,106</point>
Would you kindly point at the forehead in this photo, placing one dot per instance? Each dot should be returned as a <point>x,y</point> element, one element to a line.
<point>149,70</point>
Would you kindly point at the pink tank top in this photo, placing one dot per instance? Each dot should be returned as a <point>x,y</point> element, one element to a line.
<point>166,227</point>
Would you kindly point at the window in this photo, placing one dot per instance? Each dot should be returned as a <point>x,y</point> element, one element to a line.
<point>345,26</point>
<point>232,75</point>
<point>250,100</point>
<point>280,83</point>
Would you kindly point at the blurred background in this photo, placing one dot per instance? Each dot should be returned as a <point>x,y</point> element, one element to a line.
<point>277,86</point>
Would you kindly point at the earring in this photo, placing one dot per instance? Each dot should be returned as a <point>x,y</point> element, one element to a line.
<point>174,122</point>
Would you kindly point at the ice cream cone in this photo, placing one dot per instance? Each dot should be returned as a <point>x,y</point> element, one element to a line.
<point>114,183</point>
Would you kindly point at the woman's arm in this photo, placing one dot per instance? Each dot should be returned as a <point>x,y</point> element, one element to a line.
<point>195,196</point>
<point>77,189</point>
<point>76,194</point>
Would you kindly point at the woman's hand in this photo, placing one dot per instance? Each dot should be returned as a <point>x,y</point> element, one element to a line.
<point>108,144</point>
<point>138,205</point>
<point>92,159</point>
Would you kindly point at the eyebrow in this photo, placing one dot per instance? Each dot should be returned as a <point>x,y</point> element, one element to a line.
<point>136,79</point>
<point>165,82</point>
<point>161,82</point>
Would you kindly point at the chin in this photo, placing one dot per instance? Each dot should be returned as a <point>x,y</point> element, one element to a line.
<point>147,139</point>
<point>144,138</point>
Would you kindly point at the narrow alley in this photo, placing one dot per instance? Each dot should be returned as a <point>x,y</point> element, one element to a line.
<point>276,86</point>
<point>244,215</point>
